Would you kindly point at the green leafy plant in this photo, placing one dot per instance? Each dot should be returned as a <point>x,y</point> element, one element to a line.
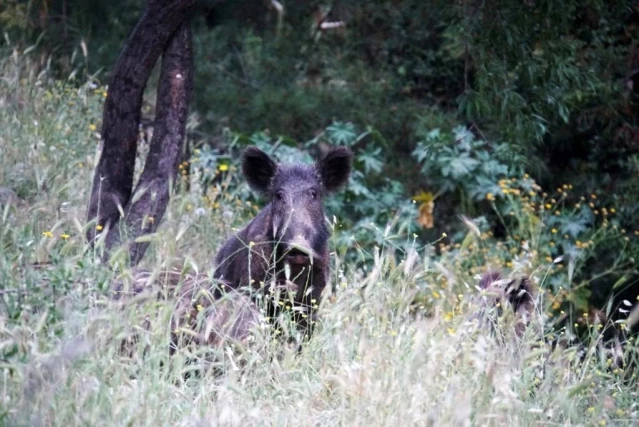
<point>458,162</point>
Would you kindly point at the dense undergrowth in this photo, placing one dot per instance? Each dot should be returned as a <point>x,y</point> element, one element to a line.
<point>396,342</point>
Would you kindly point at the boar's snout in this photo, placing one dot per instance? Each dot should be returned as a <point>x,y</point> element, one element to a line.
<point>298,251</point>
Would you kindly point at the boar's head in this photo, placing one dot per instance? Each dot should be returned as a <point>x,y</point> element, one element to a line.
<point>297,220</point>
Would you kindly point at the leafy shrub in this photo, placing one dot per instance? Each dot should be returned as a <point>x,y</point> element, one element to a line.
<point>556,242</point>
<point>562,238</point>
<point>459,163</point>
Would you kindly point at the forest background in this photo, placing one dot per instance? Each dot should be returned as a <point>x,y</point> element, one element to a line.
<point>521,116</point>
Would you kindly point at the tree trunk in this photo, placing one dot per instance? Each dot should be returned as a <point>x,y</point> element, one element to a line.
<point>152,192</point>
<point>163,27</point>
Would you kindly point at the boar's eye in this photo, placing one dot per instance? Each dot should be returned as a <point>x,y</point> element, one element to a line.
<point>313,193</point>
<point>279,195</point>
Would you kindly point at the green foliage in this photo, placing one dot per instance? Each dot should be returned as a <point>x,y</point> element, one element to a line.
<point>70,37</point>
<point>254,82</point>
<point>585,235</point>
<point>534,64</point>
<point>48,118</point>
<point>568,246</point>
<point>459,163</point>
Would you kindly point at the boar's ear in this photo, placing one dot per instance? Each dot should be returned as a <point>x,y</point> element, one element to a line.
<point>258,169</point>
<point>335,168</point>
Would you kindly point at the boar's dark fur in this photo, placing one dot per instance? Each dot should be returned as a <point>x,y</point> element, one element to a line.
<point>520,294</point>
<point>285,247</point>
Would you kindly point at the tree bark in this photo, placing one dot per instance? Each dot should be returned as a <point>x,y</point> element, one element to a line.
<point>152,191</point>
<point>113,180</point>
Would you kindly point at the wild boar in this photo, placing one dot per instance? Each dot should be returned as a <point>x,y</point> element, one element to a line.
<point>285,247</point>
<point>520,294</point>
<point>202,320</point>
<point>199,321</point>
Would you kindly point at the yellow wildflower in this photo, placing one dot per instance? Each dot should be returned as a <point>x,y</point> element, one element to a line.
<point>223,167</point>
<point>47,234</point>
